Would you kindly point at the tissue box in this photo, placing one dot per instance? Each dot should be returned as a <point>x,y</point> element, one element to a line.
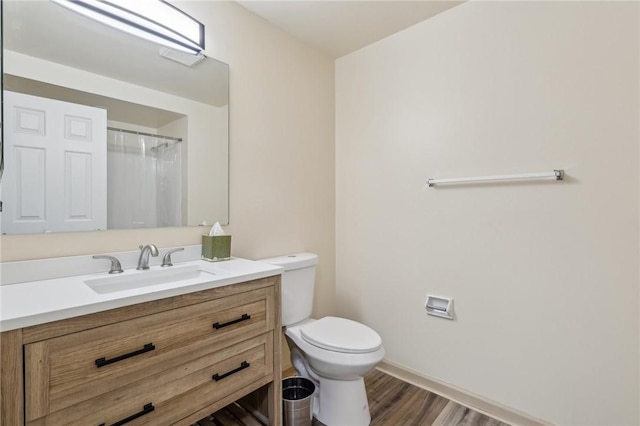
<point>216,248</point>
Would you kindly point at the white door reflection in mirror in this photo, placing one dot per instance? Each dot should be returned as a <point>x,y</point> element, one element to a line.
<point>55,178</point>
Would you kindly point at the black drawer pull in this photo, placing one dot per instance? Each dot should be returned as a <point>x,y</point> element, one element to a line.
<point>244,317</point>
<point>101,362</point>
<point>146,410</point>
<point>243,365</point>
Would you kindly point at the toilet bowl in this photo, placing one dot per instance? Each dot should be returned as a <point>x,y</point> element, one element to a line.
<point>335,353</point>
<point>343,361</point>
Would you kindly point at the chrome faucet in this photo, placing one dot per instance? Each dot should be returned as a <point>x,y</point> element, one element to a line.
<point>166,260</point>
<point>143,260</point>
<point>115,263</point>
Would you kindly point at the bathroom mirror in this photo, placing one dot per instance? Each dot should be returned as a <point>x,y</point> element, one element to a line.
<point>143,137</point>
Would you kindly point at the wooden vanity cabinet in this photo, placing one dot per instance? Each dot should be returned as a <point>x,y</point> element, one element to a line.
<point>165,362</point>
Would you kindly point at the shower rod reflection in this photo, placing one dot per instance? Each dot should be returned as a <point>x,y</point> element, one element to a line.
<point>133,132</point>
<point>556,174</point>
<point>157,147</point>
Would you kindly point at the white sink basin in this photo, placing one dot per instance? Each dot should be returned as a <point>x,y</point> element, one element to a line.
<point>139,279</point>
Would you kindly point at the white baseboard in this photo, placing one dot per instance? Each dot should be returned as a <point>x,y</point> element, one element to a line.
<point>461,396</point>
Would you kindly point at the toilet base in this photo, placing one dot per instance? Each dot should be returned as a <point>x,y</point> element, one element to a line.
<point>342,403</point>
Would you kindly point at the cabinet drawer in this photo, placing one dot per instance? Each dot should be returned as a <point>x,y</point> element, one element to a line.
<point>66,370</point>
<point>178,391</point>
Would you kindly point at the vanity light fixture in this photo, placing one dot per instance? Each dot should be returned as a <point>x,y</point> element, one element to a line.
<point>153,20</point>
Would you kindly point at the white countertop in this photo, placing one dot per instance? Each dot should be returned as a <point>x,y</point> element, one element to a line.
<point>36,302</point>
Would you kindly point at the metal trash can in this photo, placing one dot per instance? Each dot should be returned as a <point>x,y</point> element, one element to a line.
<point>297,401</point>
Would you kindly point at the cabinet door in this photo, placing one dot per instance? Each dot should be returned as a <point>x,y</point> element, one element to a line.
<point>55,176</point>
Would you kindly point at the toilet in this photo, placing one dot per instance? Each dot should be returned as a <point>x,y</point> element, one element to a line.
<point>334,353</point>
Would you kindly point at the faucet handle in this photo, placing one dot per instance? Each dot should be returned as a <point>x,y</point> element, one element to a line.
<point>115,263</point>
<point>166,260</point>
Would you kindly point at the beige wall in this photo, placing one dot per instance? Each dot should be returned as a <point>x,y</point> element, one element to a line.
<point>281,153</point>
<point>544,274</point>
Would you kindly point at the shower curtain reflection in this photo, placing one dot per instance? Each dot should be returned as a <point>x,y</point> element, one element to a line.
<point>144,188</point>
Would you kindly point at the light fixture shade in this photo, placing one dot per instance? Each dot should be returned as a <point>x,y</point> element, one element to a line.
<point>154,20</point>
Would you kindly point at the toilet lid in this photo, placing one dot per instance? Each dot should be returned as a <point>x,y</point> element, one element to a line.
<point>341,335</point>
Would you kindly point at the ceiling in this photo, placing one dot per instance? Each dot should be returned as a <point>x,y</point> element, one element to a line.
<point>341,27</point>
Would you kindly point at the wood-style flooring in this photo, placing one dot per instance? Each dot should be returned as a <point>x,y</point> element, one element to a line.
<point>392,402</point>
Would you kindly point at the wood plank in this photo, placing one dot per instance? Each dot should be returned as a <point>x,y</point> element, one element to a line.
<point>274,409</point>
<point>223,417</point>
<point>242,415</point>
<point>456,414</point>
<point>429,408</point>
<point>36,359</point>
<point>384,403</point>
<point>11,380</point>
<point>207,421</point>
<point>404,410</point>
<point>266,403</point>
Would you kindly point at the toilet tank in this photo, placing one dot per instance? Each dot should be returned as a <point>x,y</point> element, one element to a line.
<point>298,280</point>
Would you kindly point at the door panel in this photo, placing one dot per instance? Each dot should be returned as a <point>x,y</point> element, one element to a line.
<point>55,175</point>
